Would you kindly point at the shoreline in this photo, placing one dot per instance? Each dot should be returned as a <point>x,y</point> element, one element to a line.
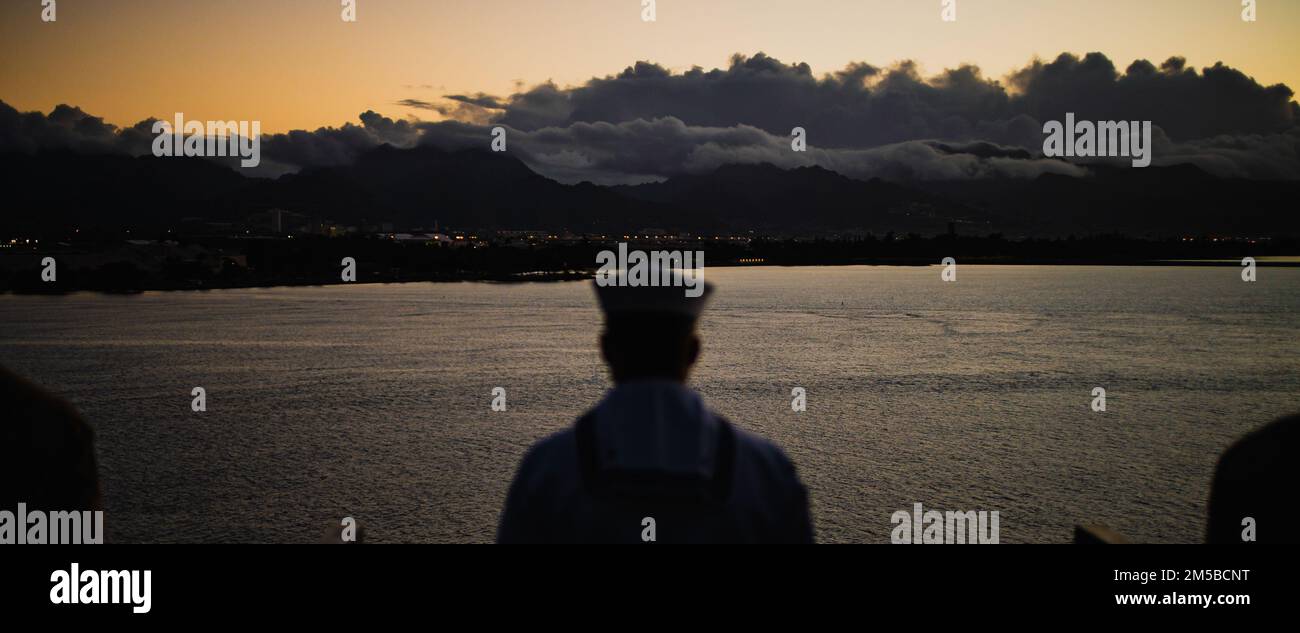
<point>553,276</point>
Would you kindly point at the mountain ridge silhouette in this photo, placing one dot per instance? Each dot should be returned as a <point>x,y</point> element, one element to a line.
<point>472,188</point>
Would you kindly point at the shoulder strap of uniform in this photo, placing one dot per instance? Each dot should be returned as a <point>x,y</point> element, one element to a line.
<point>724,461</point>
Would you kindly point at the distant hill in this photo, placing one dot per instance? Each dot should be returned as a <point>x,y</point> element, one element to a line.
<point>481,189</point>
<point>61,189</point>
<point>463,188</point>
<point>1151,202</point>
<point>766,198</point>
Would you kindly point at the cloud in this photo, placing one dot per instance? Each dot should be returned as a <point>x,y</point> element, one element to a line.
<point>331,146</point>
<point>639,151</point>
<point>865,105</point>
<point>1186,104</point>
<point>477,109</point>
<point>69,128</point>
<point>1252,156</point>
<point>66,128</point>
<point>866,120</point>
<point>420,104</point>
<point>648,123</point>
<point>480,100</point>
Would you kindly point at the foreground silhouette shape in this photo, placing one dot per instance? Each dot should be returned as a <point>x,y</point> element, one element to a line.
<point>1256,481</point>
<point>47,450</point>
<point>651,463</point>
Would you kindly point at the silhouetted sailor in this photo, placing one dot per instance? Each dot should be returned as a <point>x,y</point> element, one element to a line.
<point>650,461</point>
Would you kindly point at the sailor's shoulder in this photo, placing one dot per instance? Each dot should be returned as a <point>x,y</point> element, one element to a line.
<point>557,448</point>
<point>759,453</point>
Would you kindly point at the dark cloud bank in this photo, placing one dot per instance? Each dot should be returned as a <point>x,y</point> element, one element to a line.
<point>647,123</point>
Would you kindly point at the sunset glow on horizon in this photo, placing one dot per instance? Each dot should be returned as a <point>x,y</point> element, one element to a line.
<point>294,64</point>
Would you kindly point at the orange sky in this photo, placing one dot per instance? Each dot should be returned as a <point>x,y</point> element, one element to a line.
<point>296,64</point>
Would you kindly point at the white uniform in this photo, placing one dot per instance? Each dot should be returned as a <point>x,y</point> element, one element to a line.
<point>652,450</point>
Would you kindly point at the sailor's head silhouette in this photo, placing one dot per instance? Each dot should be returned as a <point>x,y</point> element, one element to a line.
<point>650,330</point>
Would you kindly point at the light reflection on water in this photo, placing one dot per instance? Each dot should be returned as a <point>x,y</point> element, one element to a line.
<point>373,400</point>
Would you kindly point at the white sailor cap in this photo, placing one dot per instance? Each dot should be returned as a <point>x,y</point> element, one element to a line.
<point>618,300</point>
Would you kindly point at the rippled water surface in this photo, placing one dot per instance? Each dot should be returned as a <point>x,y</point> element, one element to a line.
<point>373,400</point>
